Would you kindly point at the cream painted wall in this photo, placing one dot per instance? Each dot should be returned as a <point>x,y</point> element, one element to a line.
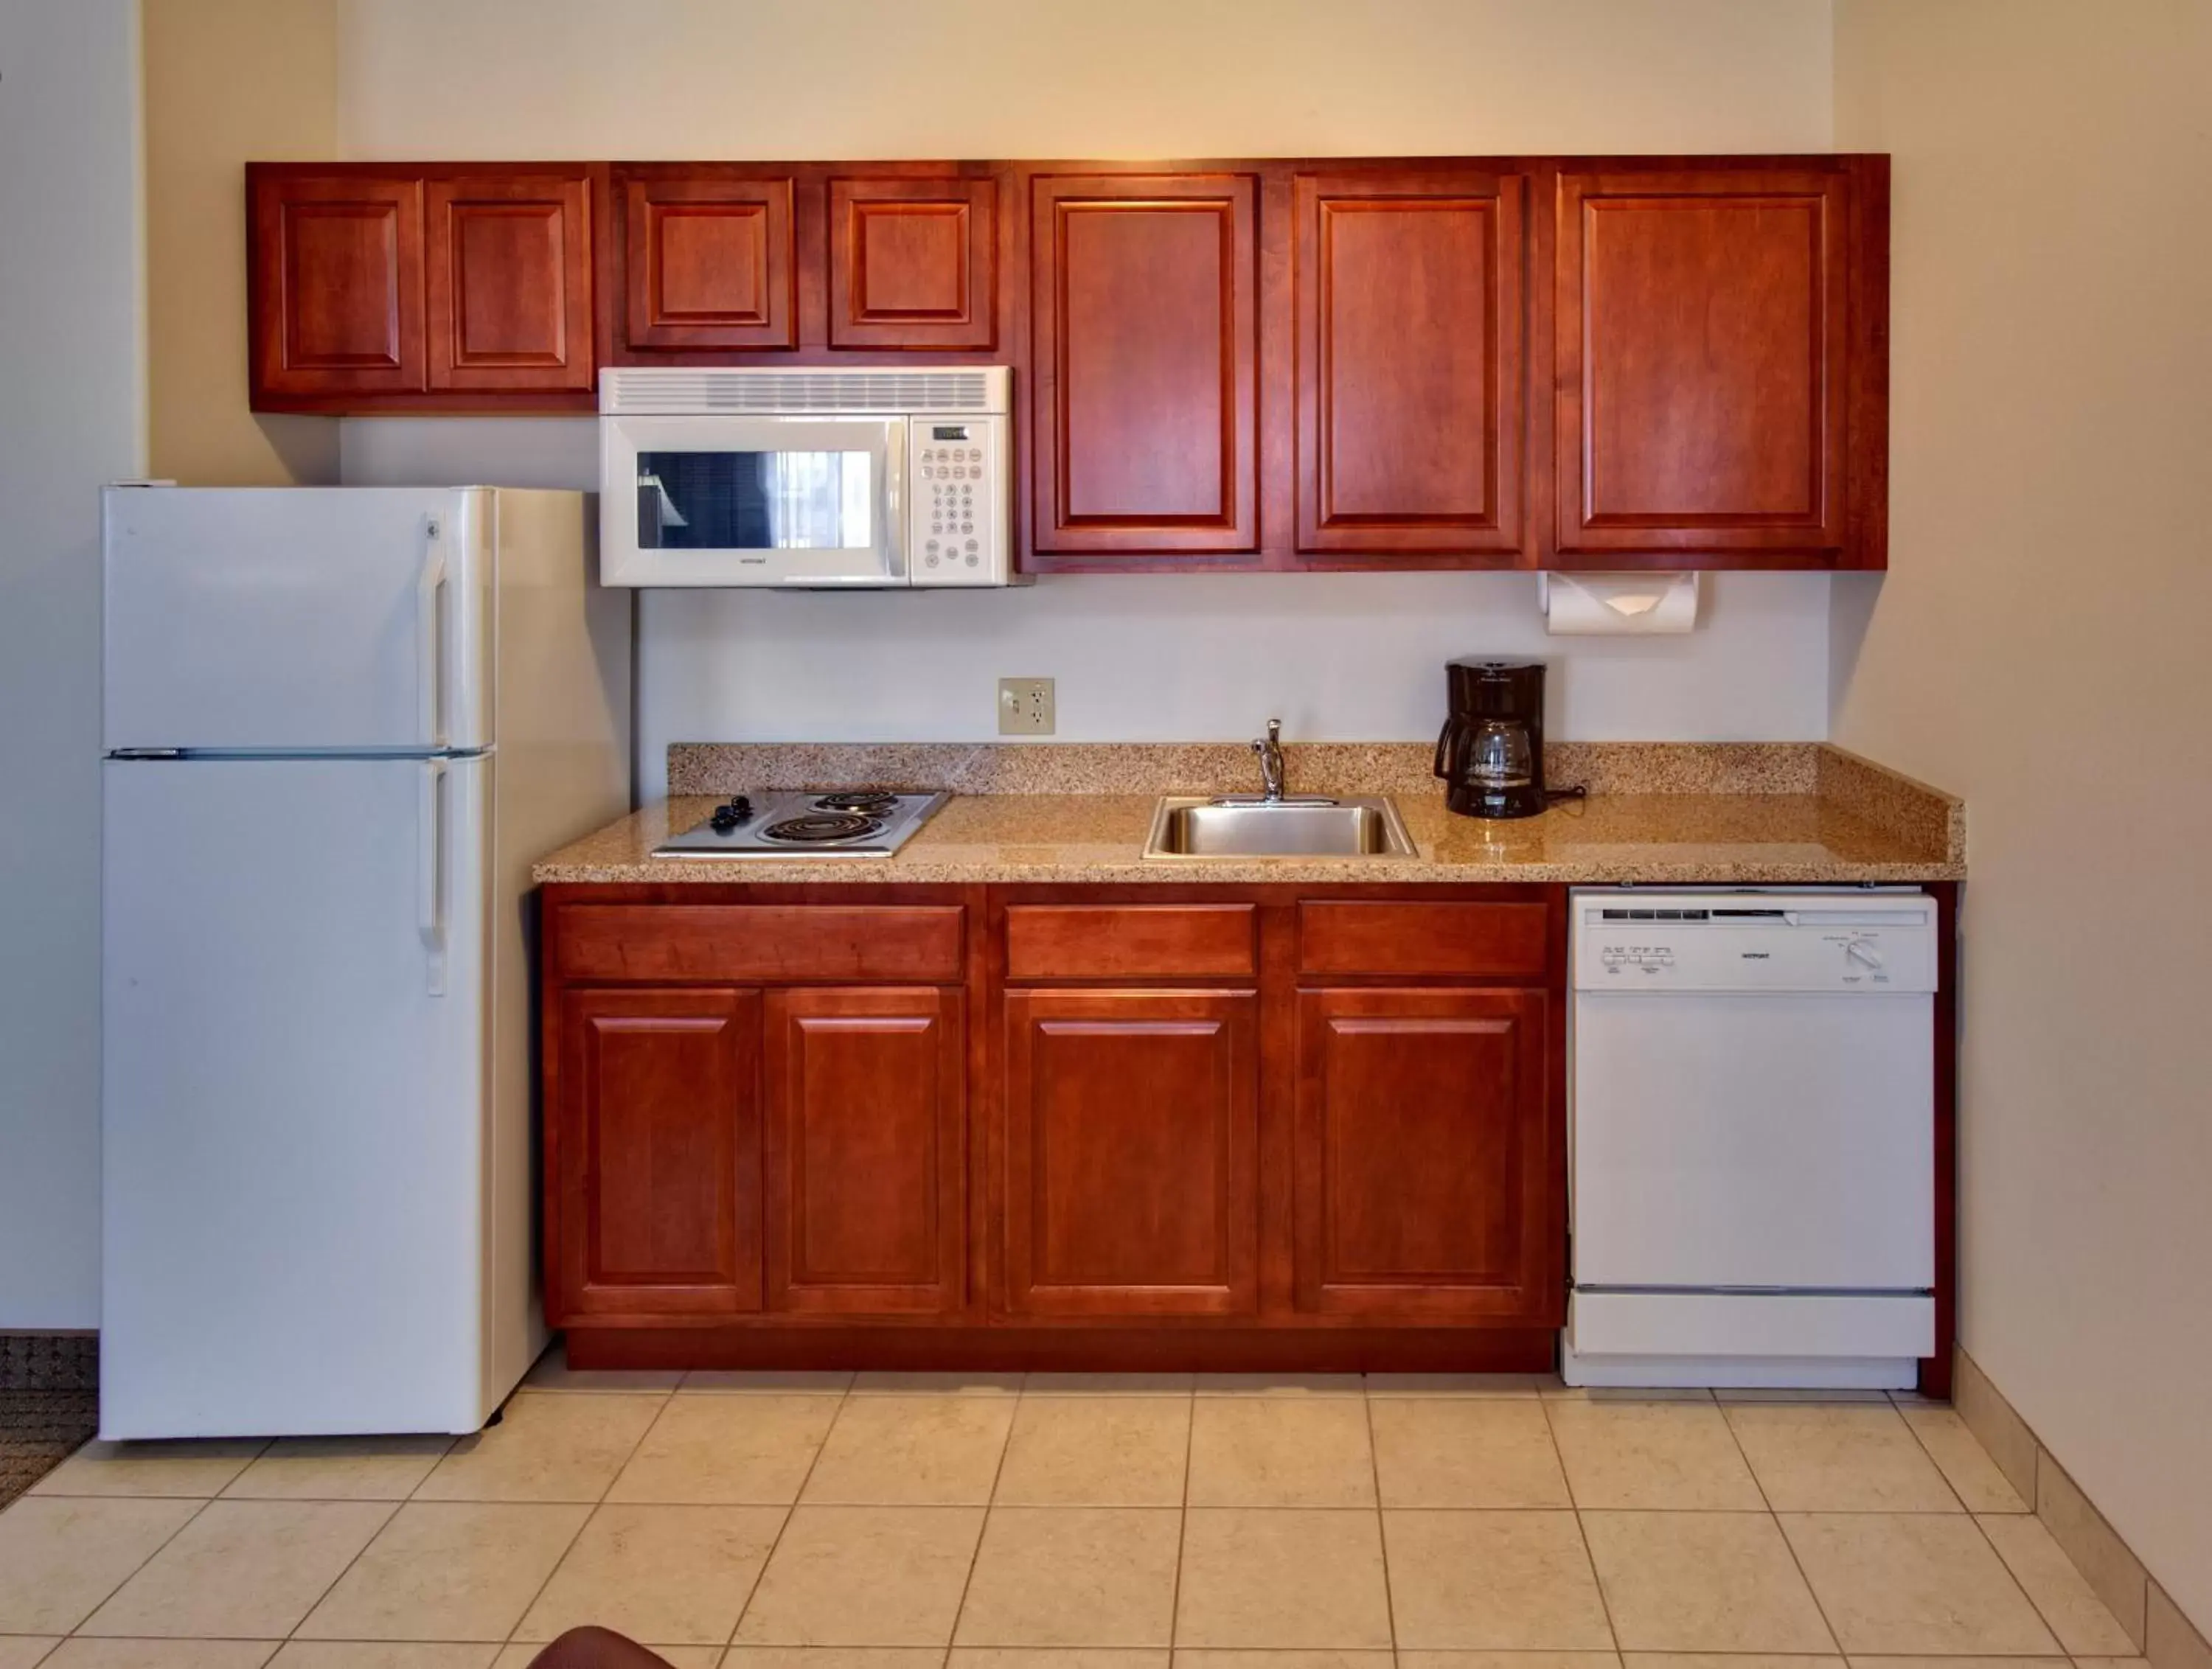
<point>1341,656</point>
<point>72,416</point>
<point>2039,646</point>
<point>227,81</point>
<point>887,78</point>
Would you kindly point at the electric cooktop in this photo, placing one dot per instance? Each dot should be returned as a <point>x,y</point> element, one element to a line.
<point>833,823</point>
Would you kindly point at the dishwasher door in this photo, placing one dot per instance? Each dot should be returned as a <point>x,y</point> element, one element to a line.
<point>1753,1137</point>
<point>1772,1140</point>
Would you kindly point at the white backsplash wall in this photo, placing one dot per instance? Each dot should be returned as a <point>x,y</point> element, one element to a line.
<point>1166,657</point>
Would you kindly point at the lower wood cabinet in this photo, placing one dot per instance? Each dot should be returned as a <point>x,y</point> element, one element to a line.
<point>1427,1175</point>
<point>653,1151</point>
<point>866,1152</point>
<point>1234,1127</point>
<point>1131,1131</point>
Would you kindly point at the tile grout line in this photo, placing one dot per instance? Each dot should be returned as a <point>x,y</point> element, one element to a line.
<point>190,1518</point>
<point>1582,1530</point>
<point>591,1512</point>
<point>1381,1527</point>
<point>1183,1524</point>
<point>1775,1519</point>
<point>2049,1624</point>
<point>790,1512</point>
<point>990,1505</point>
<point>391,1512</point>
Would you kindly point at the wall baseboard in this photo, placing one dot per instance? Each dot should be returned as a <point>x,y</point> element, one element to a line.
<point>49,1362</point>
<point>2165,1637</point>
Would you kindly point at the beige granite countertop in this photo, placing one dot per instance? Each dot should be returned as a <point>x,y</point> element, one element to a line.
<point>1845,820</point>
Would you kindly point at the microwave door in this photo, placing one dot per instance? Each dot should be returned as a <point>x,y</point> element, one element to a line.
<point>789,500</point>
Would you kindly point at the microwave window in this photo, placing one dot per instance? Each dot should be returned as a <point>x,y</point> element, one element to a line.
<point>755,500</point>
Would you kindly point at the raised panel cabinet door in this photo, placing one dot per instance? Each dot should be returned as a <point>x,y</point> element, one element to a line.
<point>865,1150</point>
<point>337,285</point>
<point>1411,314</point>
<point>1702,327</point>
<point>1130,1142</point>
<point>709,263</point>
<point>1144,414</point>
<point>914,263</point>
<point>510,283</point>
<point>1426,1172</point>
<point>654,1125</point>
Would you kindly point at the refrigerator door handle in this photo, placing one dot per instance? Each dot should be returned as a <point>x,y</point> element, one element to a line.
<point>431,609</point>
<point>431,873</point>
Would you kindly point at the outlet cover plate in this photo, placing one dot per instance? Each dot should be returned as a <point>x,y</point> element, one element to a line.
<point>1025,707</point>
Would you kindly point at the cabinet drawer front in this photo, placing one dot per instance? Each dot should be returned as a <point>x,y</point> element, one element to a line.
<point>1130,941</point>
<point>772,944</point>
<point>1446,940</point>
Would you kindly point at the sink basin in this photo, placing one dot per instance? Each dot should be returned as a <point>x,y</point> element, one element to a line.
<point>1202,827</point>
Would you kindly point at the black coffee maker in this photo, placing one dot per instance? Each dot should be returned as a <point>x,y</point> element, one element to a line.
<point>1491,751</point>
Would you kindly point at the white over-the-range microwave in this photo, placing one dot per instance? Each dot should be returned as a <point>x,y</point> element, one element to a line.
<point>827,478</point>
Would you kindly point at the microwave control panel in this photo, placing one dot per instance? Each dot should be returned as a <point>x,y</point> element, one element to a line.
<point>960,500</point>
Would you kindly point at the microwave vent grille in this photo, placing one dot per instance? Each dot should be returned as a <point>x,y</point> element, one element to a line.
<point>674,392</point>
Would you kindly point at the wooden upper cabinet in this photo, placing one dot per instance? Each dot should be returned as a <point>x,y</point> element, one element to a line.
<point>1144,372</point>
<point>1426,1168</point>
<point>510,282</point>
<point>1131,1142</point>
<point>655,1131</point>
<point>709,261</point>
<point>1702,332</point>
<point>1411,306</point>
<point>914,263</point>
<point>865,1155</point>
<point>336,264</point>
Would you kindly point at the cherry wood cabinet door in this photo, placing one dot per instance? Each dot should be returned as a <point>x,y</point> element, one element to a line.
<point>654,1125</point>
<point>866,1152</point>
<point>1426,1169</point>
<point>710,262</point>
<point>1702,326</point>
<point>510,283</point>
<point>1144,407</point>
<point>1411,314</point>
<point>1130,1140</point>
<point>336,264</point>
<point>914,263</point>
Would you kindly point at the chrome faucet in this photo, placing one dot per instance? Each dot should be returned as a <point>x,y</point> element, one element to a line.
<point>1270,750</point>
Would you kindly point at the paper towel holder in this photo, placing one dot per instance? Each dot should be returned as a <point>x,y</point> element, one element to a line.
<point>1627,603</point>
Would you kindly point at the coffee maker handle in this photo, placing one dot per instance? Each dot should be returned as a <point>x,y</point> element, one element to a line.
<point>1447,751</point>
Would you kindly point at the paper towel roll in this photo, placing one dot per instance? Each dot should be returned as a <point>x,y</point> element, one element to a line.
<point>1619,603</point>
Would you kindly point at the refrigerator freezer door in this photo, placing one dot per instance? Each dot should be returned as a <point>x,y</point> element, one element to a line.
<point>294,1113</point>
<point>298,619</point>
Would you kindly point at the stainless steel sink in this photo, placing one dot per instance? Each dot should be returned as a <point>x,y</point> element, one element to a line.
<point>1200,827</point>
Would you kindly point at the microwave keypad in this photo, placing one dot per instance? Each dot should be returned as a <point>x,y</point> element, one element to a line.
<point>951,474</point>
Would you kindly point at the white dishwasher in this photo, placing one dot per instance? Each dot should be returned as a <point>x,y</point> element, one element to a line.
<point>1751,1129</point>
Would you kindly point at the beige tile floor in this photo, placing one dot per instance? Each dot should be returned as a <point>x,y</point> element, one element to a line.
<point>904,1521</point>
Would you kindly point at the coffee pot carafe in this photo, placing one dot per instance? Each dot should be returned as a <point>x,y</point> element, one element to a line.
<point>1491,752</point>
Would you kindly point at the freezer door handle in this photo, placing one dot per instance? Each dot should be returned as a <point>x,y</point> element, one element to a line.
<point>431,873</point>
<point>432,609</point>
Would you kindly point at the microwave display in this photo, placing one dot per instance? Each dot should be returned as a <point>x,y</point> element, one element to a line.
<point>755,501</point>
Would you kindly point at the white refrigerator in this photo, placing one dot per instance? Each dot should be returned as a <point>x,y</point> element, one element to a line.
<point>339,725</point>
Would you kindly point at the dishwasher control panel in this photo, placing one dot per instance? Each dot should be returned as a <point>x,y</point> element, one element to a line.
<point>1754,942</point>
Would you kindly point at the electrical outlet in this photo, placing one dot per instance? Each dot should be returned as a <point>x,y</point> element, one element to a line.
<point>1025,707</point>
